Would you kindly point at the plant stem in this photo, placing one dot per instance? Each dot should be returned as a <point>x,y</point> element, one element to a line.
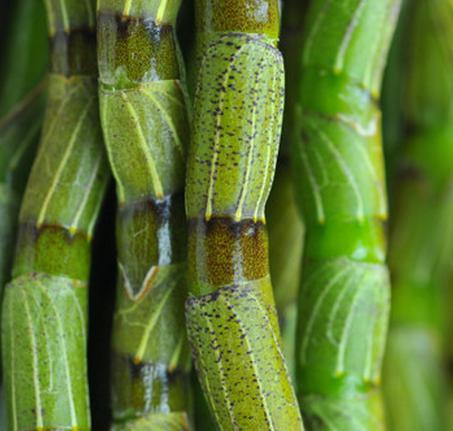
<point>145,124</point>
<point>44,309</point>
<point>344,297</point>
<point>421,236</point>
<point>231,317</point>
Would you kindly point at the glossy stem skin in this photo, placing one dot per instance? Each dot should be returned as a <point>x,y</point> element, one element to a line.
<point>339,177</point>
<point>421,235</point>
<point>44,308</point>
<point>231,316</point>
<point>145,124</point>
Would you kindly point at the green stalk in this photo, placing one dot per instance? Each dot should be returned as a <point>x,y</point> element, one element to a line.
<point>231,316</point>
<point>345,291</point>
<point>44,309</point>
<point>145,124</point>
<point>421,237</point>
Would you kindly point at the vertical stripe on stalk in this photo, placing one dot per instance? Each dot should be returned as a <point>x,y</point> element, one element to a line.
<point>158,189</point>
<point>230,314</point>
<point>344,295</point>
<point>145,126</point>
<point>62,165</point>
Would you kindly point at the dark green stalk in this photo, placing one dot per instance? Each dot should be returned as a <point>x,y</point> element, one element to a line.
<point>145,123</point>
<point>44,309</point>
<point>345,291</point>
<point>421,239</point>
<point>232,321</point>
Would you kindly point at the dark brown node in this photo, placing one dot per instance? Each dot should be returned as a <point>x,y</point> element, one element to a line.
<point>262,16</point>
<point>223,251</point>
<point>145,386</point>
<point>145,49</point>
<point>153,230</point>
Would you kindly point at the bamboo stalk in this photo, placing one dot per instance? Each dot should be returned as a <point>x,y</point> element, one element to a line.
<point>421,236</point>
<point>231,317</point>
<point>344,298</point>
<point>44,309</point>
<point>145,124</point>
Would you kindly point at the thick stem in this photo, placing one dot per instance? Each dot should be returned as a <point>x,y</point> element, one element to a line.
<point>344,297</point>
<point>44,310</point>
<point>145,124</point>
<point>231,315</point>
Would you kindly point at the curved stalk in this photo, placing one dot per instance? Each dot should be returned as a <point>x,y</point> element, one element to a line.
<point>231,317</point>
<point>145,124</point>
<point>44,309</point>
<point>421,236</point>
<point>344,297</point>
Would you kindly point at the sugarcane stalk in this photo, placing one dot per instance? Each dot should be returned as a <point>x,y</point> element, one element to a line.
<point>145,124</point>
<point>344,297</point>
<point>421,235</point>
<point>231,316</point>
<point>44,309</point>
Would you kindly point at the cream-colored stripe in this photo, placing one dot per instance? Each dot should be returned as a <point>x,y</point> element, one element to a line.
<point>161,11</point>
<point>64,353</point>
<point>157,185</point>
<point>339,61</point>
<point>167,119</point>
<point>151,324</point>
<point>218,119</point>
<point>66,156</point>
<point>87,193</point>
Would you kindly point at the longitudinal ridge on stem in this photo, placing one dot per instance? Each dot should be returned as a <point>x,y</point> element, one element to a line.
<point>145,124</point>
<point>345,291</point>
<point>231,317</point>
<point>45,306</point>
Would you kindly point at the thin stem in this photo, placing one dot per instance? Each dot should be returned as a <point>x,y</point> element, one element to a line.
<point>145,125</point>
<point>44,359</point>
<point>231,315</point>
<point>344,296</point>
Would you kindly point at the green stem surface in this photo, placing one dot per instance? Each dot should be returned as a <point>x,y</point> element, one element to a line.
<point>421,236</point>
<point>45,306</point>
<point>231,316</point>
<point>145,124</point>
<point>345,291</point>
